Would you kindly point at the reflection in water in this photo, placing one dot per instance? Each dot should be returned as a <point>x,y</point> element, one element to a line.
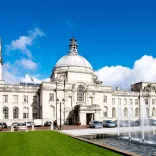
<point>132,146</point>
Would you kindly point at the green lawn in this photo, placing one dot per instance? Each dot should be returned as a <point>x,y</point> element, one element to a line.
<point>46,143</point>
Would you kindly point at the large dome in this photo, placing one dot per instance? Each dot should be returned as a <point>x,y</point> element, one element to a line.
<point>73,58</point>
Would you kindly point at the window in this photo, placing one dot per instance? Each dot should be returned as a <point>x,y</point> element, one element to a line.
<point>34,112</point>
<point>105,112</point>
<point>25,115</point>
<point>25,112</point>
<point>153,112</point>
<point>15,97</point>
<point>104,98</point>
<point>146,101</point>
<point>80,93</point>
<point>125,112</point>
<point>153,101</point>
<point>34,115</point>
<point>15,113</point>
<point>51,97</point>
<point>25,98</point>
<point>5,98</point>
<point>137,112</point>
<point>34,99</point>
<point>119,101</point>
<point>130,101</point>
<point>125,101</point>
<point>6,112</point>
<point>113,112</point>
<point>70,101</point>
<point>136,101</point>
<point>147,110</point>
<point>113,101</point>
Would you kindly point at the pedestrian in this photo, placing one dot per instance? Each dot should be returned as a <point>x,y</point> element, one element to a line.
<point>55,125</point>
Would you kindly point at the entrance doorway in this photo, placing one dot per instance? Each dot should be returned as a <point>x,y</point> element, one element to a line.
<point>89,117</point>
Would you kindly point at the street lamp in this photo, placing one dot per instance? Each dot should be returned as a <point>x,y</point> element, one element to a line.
<point>63,100</point>
<point>26,106</point>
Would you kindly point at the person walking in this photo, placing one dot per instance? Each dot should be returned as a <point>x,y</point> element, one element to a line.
<point>55,125</point>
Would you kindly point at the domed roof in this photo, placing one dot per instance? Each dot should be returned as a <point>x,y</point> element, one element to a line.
<point>73,58</point>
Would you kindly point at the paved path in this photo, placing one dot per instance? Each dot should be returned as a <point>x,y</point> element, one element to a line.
<point>91,131</point>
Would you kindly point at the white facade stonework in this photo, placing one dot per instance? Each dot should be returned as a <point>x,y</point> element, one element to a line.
<point>76,88</point>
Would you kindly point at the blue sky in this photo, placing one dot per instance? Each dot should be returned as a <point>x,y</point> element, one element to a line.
<point>109,33</point>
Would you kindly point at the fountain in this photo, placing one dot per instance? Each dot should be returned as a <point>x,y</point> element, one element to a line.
<point>141,134</point>
<point>118,121</point>
<point>129,121</point>
<point>140,139</point>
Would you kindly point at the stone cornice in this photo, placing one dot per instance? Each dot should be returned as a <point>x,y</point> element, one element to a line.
<point>17,91</point>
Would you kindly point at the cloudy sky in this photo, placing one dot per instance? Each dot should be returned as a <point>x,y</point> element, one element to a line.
<point>117,37</point>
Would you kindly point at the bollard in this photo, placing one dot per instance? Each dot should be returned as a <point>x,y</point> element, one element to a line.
<point>12,128</point>
<point>32,127</point>
<point>52,128</point>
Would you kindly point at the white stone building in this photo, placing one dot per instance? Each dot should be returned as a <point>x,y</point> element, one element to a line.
<point>74,95</point>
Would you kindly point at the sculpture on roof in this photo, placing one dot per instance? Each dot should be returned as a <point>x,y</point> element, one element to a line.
<point>149,87</point>
<point>73,47</point>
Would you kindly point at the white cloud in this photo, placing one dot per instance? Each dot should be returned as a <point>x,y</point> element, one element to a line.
<point>144,69</point>
<point>13,76</point>
<point>24,42</point>
<point>33,79</point>
<point>9,73</point>
<point>27,64</point>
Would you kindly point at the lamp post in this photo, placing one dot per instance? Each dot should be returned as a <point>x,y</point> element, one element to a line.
<point>26,108</point>
<point>139,104</point>
<point>56,98</point>
<point>63,100</point>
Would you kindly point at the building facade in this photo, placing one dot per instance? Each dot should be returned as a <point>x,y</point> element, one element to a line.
<point>73,95</point>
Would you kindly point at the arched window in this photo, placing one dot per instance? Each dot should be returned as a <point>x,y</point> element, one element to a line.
<point>153,111</point>
<point>105,112</point>
<point>6,112</point>
<point>80,93</point>
<point>125,112</point>
<point>16,113</point>
<point>137,112</point>
<point>113,112</point>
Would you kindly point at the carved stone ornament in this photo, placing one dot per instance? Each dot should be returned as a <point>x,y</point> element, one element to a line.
<point>73,88</point>
<point>96,80</point>
<point>61,77</point>
<point>149,87</point>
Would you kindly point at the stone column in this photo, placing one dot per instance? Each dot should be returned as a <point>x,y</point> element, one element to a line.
<point>20,113</point>
<point>82,118</point>
<point>10,112</point>
<point>30,112</point>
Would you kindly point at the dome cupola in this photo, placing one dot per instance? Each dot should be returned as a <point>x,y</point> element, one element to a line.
<point>73,59</point>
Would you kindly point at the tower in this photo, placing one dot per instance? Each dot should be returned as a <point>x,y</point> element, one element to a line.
<point>1,62</point>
